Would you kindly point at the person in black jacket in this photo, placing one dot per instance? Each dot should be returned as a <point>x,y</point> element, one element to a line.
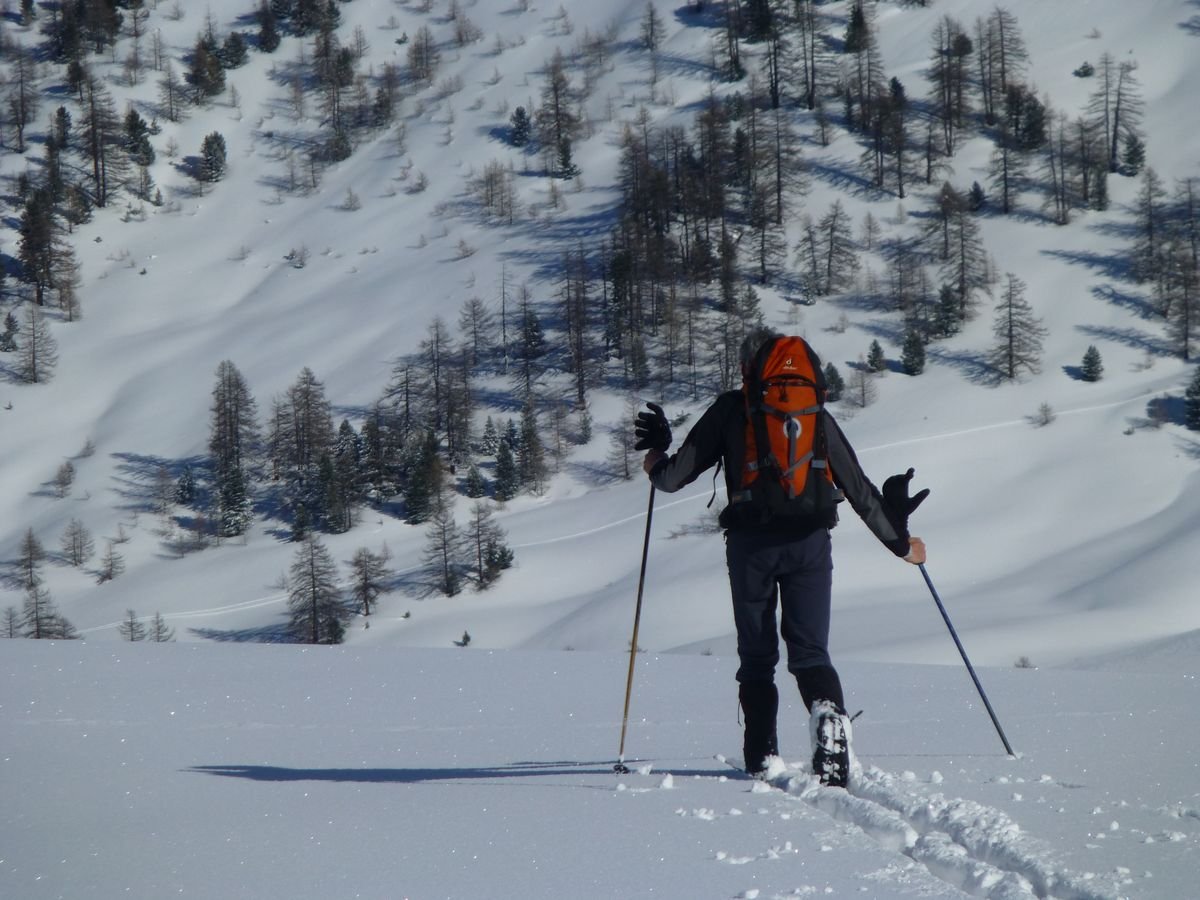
<point>782,563</point>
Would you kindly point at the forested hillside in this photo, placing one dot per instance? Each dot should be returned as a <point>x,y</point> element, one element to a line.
<point>312,302</point>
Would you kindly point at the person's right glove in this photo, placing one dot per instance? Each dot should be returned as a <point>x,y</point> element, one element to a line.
<point>652,430</point>
<point>895,495</point>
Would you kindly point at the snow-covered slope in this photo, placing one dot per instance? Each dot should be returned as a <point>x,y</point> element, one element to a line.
<point>1056,542</point>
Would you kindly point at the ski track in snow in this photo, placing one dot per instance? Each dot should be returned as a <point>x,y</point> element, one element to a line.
<point>975,848</point>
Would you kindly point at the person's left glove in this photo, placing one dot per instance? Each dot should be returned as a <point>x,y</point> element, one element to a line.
<point>895,495</point>
<point>652,430</point>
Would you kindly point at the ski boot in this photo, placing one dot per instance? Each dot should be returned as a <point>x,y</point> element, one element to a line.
<point>760,705</point>
<point>829,731</point>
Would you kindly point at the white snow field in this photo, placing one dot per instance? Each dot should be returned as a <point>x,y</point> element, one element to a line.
<point>397,765</point>
<point>232,771</point>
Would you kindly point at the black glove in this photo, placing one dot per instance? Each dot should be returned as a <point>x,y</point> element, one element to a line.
<point>895,495</point>
<point>652,430</point>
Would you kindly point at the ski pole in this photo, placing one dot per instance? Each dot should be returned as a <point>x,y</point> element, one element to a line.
<point>963,653</point>
<point>620,767</point>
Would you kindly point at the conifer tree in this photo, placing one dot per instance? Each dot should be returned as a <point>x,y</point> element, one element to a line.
<point>101,138</point>
<point>368,577</point>
<point>31,555</point>
<point>1149,245</point>
<point>557,123</point>
<point>876,361</point>
<point>651,28</point>
<point>40,241</point>
<point>834,383</point>
<point>519,127</point>
<point>838,250</point>
<point>185,487</point>
<point>862,390</point>
<point>77,543</point>
<point>132,628</point>
<point>159,631</point>
<point>507,484</point>
<point>232,444</point>
<point>112,564</point>
<point>234,504</point>
<point>531,454</point>
<point>212,158</point>
<point>912,356</point>
<point>1191,403</point>
<point>1091,368</point>
<point>475,486</point>
<point>489,552</point>
<point>40,618</point>
<point>268,28</point>
<point>424,475</point>
<point>318,615</point>
<point>8,336</point>
<point>205,73</point>
<point>10,624</point>
<point>489,440</point>
<point>444,547</point>
<point>1018,332</point>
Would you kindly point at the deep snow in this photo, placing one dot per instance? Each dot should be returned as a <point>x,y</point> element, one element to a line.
<point>221,771</point>
<point>399,766</point>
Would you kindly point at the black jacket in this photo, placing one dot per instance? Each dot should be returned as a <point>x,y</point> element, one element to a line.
<point>719,435</point>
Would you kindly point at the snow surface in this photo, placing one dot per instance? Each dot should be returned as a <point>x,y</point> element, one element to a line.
<point>400,766</point>
<point>221,771</point>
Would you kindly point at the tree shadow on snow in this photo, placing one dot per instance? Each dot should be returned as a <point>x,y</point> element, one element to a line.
<point>409,776</point>
<point>267,634</point>
<point>425,775</point>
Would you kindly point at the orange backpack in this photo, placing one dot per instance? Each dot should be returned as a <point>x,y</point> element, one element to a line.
<point>786,470</point>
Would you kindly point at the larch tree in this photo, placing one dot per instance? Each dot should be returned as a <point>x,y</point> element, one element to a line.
<point>444,554</point>
<point>132,628</point>
<point>37,350</point>
<point>1018,332</point>
<point>369,576</point>
<point>101,140</point>
<point>31,555</point>
<point>489,553</point>
<point>77,543</point>
<point>839,251</point>
<point>318,615</point>
<point>948,76</point>
<point>557,122</point>
<point>40,618</point>
<point>159,630</point>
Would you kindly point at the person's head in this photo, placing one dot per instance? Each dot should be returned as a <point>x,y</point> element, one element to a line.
<point>754,340</point>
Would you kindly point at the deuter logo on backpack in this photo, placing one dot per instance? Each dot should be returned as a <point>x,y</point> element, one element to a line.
<point>785,473</point>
